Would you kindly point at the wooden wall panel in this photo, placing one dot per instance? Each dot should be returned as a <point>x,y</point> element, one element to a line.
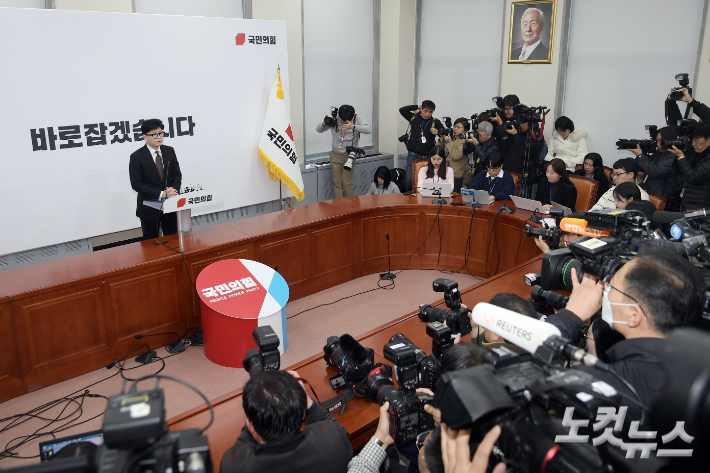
<point>332,248</point>
<point>510,235</point>
<point>145,302</point>
<point>290,255</point>
<point>10,372</point>
<point>402,230</point>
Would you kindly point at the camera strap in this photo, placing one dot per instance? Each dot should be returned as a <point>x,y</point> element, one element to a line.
<point>340,401</point>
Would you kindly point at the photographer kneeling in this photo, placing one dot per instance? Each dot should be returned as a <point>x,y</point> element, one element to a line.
<point>648,297</point>
<point>275,404</point>
<point>696,168</point>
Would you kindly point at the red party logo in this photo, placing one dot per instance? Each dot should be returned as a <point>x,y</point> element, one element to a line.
<point>181,202</point>
<point>240,39</point>
<point>289,132</point>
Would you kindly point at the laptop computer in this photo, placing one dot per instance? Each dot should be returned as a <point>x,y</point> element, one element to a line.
<point>533,205</point>
<point>475,195</point>
<point>436,189</point>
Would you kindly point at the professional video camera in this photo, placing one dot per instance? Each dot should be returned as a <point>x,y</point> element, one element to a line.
<point>683,82</point>
<point>529,396</point>
<point>330,120</point>
<point>353,152</point>
<point>266,357</point>
<point>134,438</point>
<point>448,127</point>
<point>647,146</point>
<point>498,110</point>
<point>413,368</point>
<point>406,410</point>
<point>531,115</point>
<point>551,235</point>
<point>456,318</point>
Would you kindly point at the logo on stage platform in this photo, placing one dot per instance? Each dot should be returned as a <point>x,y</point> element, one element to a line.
<point>181,202</point>
<point>241,38</point>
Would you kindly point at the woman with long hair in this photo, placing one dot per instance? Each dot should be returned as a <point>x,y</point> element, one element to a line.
<point>556,186</point>
<point>436,169</point>
<point>593,168</point>
<point>383,183</point>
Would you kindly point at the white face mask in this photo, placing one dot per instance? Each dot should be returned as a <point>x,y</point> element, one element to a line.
<point>607,314</point>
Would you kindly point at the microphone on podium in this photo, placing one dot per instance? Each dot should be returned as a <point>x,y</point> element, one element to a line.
<point>173,347</point>
<point>542,339</point>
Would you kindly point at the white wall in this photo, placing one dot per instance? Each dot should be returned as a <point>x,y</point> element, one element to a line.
<point>617,80</point>
<point>122,6</point>
<point>338,55</point>
<point>219,8</point>
<point>460,55</point>
<point>22,3</point>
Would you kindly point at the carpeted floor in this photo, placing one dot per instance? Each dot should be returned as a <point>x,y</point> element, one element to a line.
<point>307,333</point>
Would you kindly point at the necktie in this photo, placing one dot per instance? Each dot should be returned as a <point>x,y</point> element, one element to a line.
<point>159,164</point>
<point>522,54</point>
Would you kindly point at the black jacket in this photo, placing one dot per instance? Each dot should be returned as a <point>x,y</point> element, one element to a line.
<point>696,170</point>
<point>146,181</point>
<point>564,195</point>
<point>603,183</point>
<point>513,149</point>
<point>673,114</point>
<point>660,172</point>
<point>481,151</point>
<point>636,360</point>
<point>324,446</point>
<point>417,126</point>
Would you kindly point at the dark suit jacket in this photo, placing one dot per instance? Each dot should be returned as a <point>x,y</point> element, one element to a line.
<point>540,53</point>
<point>146,181</point>
<point>565,195</point>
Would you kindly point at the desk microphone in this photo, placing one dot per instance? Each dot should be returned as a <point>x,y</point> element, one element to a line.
<point>173,347</point>
<point>504,208</point>
<point>389,275</point>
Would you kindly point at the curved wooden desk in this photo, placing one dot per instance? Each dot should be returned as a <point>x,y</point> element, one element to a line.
<point>74,315</point>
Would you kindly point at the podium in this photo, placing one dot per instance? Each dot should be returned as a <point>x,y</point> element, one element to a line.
<point>183,205</point>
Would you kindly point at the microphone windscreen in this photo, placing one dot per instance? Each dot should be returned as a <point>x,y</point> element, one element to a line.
<point>667,217</point>
<point>388,237</point>
<point>518,329</point>
<point>352,347</point>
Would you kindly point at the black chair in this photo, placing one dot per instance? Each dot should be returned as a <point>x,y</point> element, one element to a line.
<point>399,177</point>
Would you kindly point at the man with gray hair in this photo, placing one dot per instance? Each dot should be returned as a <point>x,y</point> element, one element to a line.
<point>531,25</point>
<point>479,149</point>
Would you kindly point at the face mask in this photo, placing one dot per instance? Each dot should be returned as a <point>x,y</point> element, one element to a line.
<point>607,314</point>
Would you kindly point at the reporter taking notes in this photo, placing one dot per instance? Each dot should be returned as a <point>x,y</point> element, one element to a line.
<point>435,170</point>
<point>383,183</point>
<point>556,186</point>
<point>155,174</point>
<point>499,184</point>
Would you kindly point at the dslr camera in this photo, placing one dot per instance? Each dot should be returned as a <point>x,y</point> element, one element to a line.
<point>647,146</point>
<point>330,120</point>
<point>353,153</point>
<point>685,136</point>
<point>413,367</point>
<point>266,356</point>
<point>448,129</point>
<point>354,362</point>
<point>456,318</point>
<point>683,83</point>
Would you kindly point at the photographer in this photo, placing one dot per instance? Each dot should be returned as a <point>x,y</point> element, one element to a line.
<point>565,240</point>
<point>454,151</point>
<point>497,183</point>
<point>673,115</point>
<point>696,168</point>
<point>374,452</point>
<point>346,132</point>
<point>624,171</point>
<point>423,128</point>
<point>481,148</point>
<point>568,144</point>
<point>660,166</point>
<point>275,404</point>
<point>649,296</point>
<point>512,141</point>
<point>512,302</point>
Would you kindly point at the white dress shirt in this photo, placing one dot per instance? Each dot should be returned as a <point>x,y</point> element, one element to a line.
<point>527,50</point>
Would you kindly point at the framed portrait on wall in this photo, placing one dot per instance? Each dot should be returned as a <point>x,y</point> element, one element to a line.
<point>532,32</point>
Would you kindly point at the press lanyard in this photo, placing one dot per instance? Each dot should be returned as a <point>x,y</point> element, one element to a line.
<point>422,128</point>
<point>492,184</point>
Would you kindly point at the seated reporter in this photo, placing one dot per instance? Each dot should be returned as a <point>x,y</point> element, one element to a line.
<point>649,296</point>
<point>481,148</point>
<point>275,404</point>
<point>593,168</point>
<point>383,183</point>
<point>454,151</point>
<point>624,170</point>
<point>695,167</point>
<point>556,186</point>
<point>436,170</point>
<point>567,144</point>
<point>659,167</point>
<point>625,193</point>
<point>497,183</point>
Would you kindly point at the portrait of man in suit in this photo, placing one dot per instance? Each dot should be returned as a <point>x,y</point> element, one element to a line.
<point>531,32</point>
<point>155,175</point>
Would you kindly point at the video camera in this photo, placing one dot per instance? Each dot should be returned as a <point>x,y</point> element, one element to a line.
<point>331,120</point>
<point>683,83</point>
<point>551,235</point>
<point>353,152</point>
<point>457,318</point>
<point>531,115</point>
<point>266,356</point>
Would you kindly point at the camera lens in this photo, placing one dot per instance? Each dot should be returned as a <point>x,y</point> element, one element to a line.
<point>374,386</point>
<point>252,362</point>
<point>332,354</point>
<point>566,272</point>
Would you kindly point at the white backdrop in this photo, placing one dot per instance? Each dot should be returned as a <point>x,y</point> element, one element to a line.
<point>460,50</point>
<point>338,53</point>
<point>623,57</point>
<point>63,68</point>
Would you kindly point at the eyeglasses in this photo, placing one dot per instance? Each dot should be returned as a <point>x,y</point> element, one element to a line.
<point>616,175</point>
<point>421,438</point>
<point>156,135</point>
<point>607,284</point>
<point>493,169</point>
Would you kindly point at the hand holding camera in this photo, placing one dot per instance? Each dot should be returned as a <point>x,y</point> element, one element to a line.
<point>497,119</point>
<point>434,131</point>
<point>383,428</point>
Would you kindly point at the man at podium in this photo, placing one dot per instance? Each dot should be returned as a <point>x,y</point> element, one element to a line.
<point>155,174</point>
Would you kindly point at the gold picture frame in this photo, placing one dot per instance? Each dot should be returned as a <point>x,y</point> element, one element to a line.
<point>542,37</point>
